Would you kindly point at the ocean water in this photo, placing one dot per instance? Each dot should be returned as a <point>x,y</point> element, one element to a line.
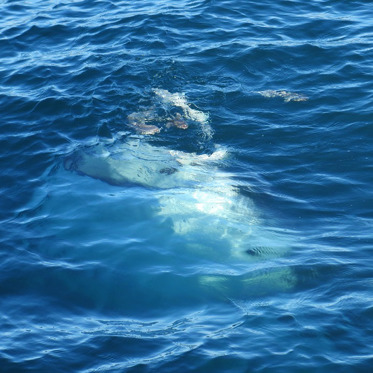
<point>242,243</point>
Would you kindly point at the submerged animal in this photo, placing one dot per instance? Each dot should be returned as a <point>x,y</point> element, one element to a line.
<point>286,95</point>
<point>197,197</point>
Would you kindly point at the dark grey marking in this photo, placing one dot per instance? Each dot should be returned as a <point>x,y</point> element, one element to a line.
<point>168,170</point>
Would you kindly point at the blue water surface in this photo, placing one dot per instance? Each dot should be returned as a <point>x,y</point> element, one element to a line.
<point>104,276</point>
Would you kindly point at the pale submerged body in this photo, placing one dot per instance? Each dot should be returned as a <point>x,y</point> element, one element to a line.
<point>197,197</point>
<point>286,95</point>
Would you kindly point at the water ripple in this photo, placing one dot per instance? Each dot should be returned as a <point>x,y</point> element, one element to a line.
<point>92,280</point>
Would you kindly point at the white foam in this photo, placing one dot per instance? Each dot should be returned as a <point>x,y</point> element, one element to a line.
<point>179,100</point>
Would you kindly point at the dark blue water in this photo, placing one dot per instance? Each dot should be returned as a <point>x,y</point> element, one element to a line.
<point>107,262</point>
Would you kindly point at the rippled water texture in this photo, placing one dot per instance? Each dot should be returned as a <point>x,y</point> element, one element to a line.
<point>242,243</point>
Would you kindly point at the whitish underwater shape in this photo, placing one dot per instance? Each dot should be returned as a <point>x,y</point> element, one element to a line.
<point>196,196</point>
<point>286,95</point>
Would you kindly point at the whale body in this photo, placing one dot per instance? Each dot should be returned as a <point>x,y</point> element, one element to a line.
<point>196,197</point>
